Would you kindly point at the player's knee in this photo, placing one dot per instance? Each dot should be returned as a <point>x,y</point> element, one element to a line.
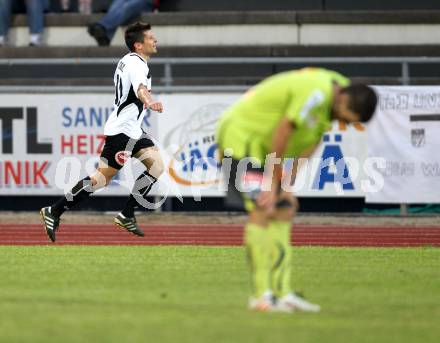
<point>101,179</point>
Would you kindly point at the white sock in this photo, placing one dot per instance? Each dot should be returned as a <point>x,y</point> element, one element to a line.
<point>35,38</point>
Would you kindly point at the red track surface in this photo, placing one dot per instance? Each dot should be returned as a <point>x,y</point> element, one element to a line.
<point>219,234</point>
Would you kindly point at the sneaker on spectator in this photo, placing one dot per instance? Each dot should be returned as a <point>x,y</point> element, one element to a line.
<point>98,32</point>
<point>35,40</point>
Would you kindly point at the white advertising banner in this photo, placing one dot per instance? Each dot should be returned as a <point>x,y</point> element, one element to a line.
<point>50,141</point>
<point>186,133</point>
<point>405,132</point>
<point>337,167</point>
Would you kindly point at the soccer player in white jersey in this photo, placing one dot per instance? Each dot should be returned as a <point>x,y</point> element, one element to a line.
<point>124,136</point>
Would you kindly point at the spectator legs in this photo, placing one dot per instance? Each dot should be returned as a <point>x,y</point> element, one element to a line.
<point>5,20</point>
<point>122,11</point>
<point>35,14</point>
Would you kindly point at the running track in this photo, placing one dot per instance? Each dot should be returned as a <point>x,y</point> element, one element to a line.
<point>219,234</point>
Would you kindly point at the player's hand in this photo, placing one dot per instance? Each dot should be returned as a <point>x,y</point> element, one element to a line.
<point>267,200</point>
<point>156,106</point>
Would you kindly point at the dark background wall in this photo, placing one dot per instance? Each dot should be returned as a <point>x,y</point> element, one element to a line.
<point>264,5</point>
<point>261,5</point>
<point>116,203</point>
<point>381,4</point>
<point>239,5</point>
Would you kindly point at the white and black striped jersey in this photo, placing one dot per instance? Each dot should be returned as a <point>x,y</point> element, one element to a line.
<point>131,71</point>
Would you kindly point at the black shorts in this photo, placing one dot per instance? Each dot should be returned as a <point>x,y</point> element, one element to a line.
<point>245,185</point>
<point>119,148</point>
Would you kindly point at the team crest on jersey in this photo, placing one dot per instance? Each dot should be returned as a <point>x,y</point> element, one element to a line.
<point>122,156</point>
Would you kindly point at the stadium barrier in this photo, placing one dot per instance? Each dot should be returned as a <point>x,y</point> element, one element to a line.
<point>169,64</point>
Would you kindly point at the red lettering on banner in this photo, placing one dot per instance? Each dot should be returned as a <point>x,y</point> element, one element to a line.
<point>15,173</point>
<point>38,172</point>
<point>82,144</point>
<point>92,143</point>
<point>66,144</point>
<point>23,173</point>
<point>101,143</point>
<point>27,173</point>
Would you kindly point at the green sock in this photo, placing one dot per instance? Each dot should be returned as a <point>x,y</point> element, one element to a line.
<point>256,241</point>
<point>280,256</point>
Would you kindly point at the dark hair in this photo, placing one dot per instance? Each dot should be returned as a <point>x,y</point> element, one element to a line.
<point>135,33</point>
<point>363,100</point>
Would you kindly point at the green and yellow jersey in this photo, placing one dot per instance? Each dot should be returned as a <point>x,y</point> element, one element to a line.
<point>304,96</point>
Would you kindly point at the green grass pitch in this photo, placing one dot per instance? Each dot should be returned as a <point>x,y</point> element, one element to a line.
<point>199,294</point>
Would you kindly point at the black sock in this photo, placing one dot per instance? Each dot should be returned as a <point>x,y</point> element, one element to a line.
<point>142,186</point>
<point>82,190</point>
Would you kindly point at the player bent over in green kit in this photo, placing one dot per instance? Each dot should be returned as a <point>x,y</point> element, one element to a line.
<point>285,116</point>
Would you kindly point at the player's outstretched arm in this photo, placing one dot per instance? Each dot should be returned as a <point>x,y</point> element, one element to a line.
<point>145,96</point>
